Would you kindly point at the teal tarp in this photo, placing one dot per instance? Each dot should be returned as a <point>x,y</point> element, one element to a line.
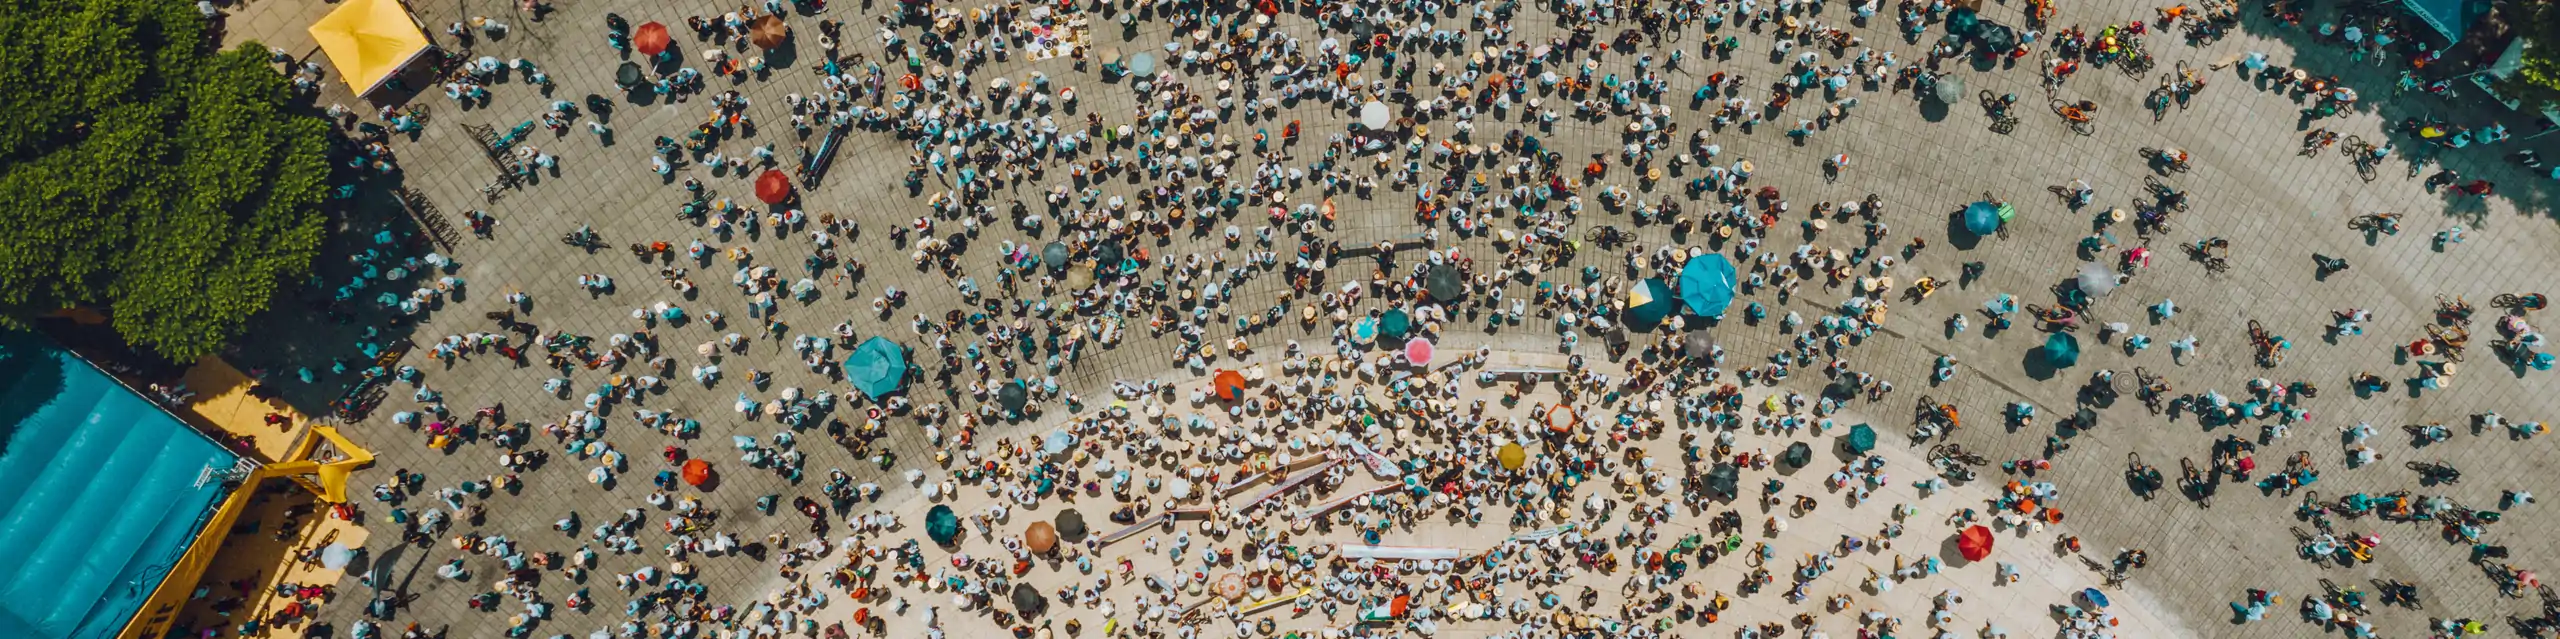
<point>98,493</point>
<point>878,367</point>
<point>1706,284</point>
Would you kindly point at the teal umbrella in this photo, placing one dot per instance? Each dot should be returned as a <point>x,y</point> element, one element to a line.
<point>1798,454</point>
<point>878,367</point>
<point>1706,284</point>
<point>1648,303</point>
<point>1394,324</point>
<point>1862,438</point>
<point>1013,396</point>
<point>941,524</point>
<point>1443,283</point>
<point>2062,350</point>
<point>1055,255</point>
<point>1982,218</point>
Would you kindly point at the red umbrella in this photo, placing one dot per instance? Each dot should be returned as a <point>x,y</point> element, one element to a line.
<point>696,472</point>
<point>1230,384</point>
<point>651,39</point>
<point>1975,543</point>
<point>773,187</point>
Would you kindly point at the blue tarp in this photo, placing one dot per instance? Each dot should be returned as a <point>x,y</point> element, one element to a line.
<point>2449,17</point>
<point>98,493</point>
<point>1706,284</point>
<point>878,367</point>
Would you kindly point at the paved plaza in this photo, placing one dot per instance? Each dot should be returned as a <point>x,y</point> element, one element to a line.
<point>1924,161</point>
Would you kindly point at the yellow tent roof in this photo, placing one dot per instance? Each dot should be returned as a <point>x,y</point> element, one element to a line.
<point>369,40</point>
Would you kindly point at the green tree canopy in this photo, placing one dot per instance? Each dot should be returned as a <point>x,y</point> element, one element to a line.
<point>2537,81</point>
<point>148,174</point>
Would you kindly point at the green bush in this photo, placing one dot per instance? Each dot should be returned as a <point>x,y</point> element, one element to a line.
<point>147,174</point>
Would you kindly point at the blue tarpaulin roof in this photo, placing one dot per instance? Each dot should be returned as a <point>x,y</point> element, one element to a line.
<point>2448,17</point>
<point>98,493</point>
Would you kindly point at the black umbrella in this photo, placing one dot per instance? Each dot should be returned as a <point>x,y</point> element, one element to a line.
<point>1443,283</point>
<point>2085,419</point>
<point>1028,600</point>
<point>1997,37</point>
<point>1698,343</point>
<point>1070,525</point>
<point>1724,479</point>
<point>1798,454</point>
<point>1055,256</point>
<point>628,74</point>
<point>1108,256</point>
<point>1013,396</point>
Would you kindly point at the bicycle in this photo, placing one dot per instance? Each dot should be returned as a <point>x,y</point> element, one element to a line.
<point>1998,108</point>
<point>2158,102</point>
<point>2384,223</point>
<point>2174,161</point>
<point>2524,302</point>
<point>2073,197</point>
<point>1607,235</point>
<point>2081,116</point>
<point>2170,198</point>
<point>2362,154</point>
<point>2317,140</point>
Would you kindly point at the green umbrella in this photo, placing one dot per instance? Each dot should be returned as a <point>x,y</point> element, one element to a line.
<point>1862,438</point>
<point>1797,455</point>
<point>1394,324</point>
<point>1070,525</point>
<point>941,524</point>
<point>878,367</point>
<point>1443,283</point>
<point>1013,396</point>
<point>1724,479</point>
<point>2062,350</point>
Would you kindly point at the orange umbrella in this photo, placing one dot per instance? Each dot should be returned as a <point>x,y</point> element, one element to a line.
<point>651,39</point>
<point>1560,420</point>
<point>1041,537</point>
<point>1974,543</point>
<point>773,187</point>
<point>1230,384</point>
<point>696,472</point>
<point>767,32</point>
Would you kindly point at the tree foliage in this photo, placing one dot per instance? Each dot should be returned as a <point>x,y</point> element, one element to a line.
<point>2537,81</point>
<point>148,174</point>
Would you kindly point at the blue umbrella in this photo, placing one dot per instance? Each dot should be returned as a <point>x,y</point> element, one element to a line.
<point>878,367</point>
<point>1982,218</point>
<point>1706,284</point>
<point>2095,598</point>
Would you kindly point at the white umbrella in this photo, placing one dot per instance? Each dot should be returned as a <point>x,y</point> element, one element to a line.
<point>2096,280</point>
<point>336,556</point>
<point>1374,115</point>
<point>1181,488</point>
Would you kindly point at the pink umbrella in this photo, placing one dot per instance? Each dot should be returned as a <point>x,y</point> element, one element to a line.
<point>1418,351</point>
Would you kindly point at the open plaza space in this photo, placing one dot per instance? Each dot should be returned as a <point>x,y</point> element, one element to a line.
<point>1326,319</point>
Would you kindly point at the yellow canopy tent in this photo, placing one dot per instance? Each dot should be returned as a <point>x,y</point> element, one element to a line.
<point>369,41</point>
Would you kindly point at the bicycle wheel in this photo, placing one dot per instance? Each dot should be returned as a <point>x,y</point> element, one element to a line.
<point>2364,169</point>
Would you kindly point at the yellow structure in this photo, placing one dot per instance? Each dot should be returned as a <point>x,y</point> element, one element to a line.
<point>370,41</point>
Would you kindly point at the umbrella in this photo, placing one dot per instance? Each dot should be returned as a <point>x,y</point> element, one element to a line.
<point>1012,396</point>
<point>336,556</point>
<point>1394,323</point>
<point>2098,599</point>
<point>1042,537</point>
<point>1647,303</point>
<point>1443,283</point>
<point>1706,284</point>
<point>1230,384</point>
<point>1070,525</point>
<point>1698,343</point>
<point>1231,586</point>
<point>1560,419</point>
<point>1861,438</point>
<point>696,472</point>
<point>878,367</point>
<point>628,74</point>
<point>1142,63</point>
<point>1418,351</point>
<point>1055,255</point>
<point>1108,256</point>
<point>768,32</point>
<point>1798,454</point>
<point>1996,36</point>
<point>773,187</point>
<point>941,524</point>
<point>1974,543</point>
<point>1364,330</point>
<point>1058,441</point>
<point>2096,280</point>
<point>1962,21</point>
<point>2084,419</point>
<point>1724,479</point>
<point>1028,600</point>
<point>1950,89</point>
<point>651,39</point>
<point>1512,456</point>
<point>1374,115</point>
<point>2062,350</point>
<point>1982,218</point>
